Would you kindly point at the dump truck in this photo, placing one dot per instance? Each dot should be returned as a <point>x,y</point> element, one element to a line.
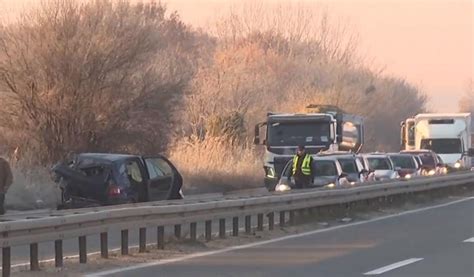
<point>320,128</point>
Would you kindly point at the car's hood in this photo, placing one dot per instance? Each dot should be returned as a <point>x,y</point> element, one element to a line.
<point>383,173</point>
<point>450,159</point>
<point>317,181</point>
<point>404,171</point>
<point>322,181</point>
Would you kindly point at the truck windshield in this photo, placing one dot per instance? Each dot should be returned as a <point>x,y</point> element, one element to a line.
<point>298,133</point>
<point>442,146</point>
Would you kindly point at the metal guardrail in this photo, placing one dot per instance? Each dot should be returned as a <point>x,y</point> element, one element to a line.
<point>81,223</point>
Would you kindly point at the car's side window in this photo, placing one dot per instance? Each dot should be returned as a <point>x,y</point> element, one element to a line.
<point>133,171</point>
<point>158,168</point>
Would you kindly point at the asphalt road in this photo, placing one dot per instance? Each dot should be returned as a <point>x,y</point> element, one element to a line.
<point>432,242</point>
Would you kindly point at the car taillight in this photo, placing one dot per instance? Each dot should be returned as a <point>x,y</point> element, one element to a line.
<point>113,190</point>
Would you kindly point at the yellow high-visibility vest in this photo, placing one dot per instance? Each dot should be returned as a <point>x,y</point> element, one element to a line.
<point>305,166</point>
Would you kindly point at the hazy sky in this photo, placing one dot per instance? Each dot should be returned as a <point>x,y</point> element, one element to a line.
<point>429,42</point>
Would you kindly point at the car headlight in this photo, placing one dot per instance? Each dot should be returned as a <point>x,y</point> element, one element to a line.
<point>444,170</point>
<point>353,183</point>
<point>408,176</point>
<point>282,187</point>
<point>270,172</point>
<point>431,172</point>
<point>331,185</point>
<point>457,165</point>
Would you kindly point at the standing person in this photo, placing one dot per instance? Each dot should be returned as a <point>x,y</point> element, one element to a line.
<point>6,179</point>
<point>302,168</point>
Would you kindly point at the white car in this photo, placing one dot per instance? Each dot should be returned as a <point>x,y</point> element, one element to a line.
<point>381,166</point>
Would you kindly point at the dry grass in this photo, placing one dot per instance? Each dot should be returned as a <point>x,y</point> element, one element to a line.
<point>31,189</point>
<point>214,165</point>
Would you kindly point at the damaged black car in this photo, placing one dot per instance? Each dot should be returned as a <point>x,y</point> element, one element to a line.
<point>91,179</point>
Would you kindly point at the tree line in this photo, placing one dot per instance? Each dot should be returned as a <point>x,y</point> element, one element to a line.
<point>109,75</point>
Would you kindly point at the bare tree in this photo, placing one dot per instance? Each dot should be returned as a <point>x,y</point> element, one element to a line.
<point>326,38</point>
<point>91,76</point>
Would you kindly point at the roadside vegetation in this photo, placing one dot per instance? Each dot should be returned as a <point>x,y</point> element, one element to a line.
<point>117,76</point>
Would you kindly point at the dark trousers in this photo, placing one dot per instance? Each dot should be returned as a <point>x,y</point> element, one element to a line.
<point>302,182</point>
<point>2,203</point>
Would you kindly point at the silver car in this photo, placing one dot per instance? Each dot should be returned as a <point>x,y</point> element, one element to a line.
<point>327,173</point>
<point>350,165</point>
<point>381,166</point>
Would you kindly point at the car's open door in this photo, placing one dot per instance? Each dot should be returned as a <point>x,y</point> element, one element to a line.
<point>161,173</point>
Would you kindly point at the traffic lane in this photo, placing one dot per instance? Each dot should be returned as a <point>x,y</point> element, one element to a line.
<point>20,254</point>
<point>456,260</point>
<point>349,251</point>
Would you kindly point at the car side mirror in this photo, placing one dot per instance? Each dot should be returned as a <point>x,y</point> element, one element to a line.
<point>343,175</point>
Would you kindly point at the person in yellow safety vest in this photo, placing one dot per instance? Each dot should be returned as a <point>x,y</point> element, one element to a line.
<point>302,168</point>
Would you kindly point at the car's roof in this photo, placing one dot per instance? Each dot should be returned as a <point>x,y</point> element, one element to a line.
<point>418,151</point>
<point>106,156</point>
<point>400,154</point>
<point>316,158</point>
<point>336,154</point>
<point>375,155</point>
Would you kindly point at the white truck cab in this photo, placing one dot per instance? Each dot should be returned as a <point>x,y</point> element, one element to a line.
<point>447,134</point>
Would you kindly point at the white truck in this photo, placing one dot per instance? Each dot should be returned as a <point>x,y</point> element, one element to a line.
<point>448,135</point>
<point>322,128</point>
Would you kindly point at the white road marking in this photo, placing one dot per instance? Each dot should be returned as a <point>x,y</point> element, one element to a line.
<point>255,244</point>
<point>469,240</point>
<point>384,269</point>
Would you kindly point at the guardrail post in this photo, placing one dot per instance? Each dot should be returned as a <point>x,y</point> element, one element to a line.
<point>104,245</point>
<point>177,231</point>
<point>292,217</point>
<point>222,228</point>
<point>6,261</point>
<point>235,226</point>
<point>124,246</point>
<point>160,240</point>
<point>260,222</point>
<point>248,224</point>
<point>193,231</point>
<point>282,218</point>
<point>82,250</point>
<point>142,240</point>
<point>208,230</point>
<point>34,261</point>
<point>58,253</point>
<point>271,221</point>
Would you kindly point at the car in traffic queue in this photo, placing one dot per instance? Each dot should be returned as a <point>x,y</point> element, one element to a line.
<point>430,164</point>
<point>350,163</point>
<point>327,172</point>
<point>405,164</point>
<point>96,179</point>
<point>380,165</point>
